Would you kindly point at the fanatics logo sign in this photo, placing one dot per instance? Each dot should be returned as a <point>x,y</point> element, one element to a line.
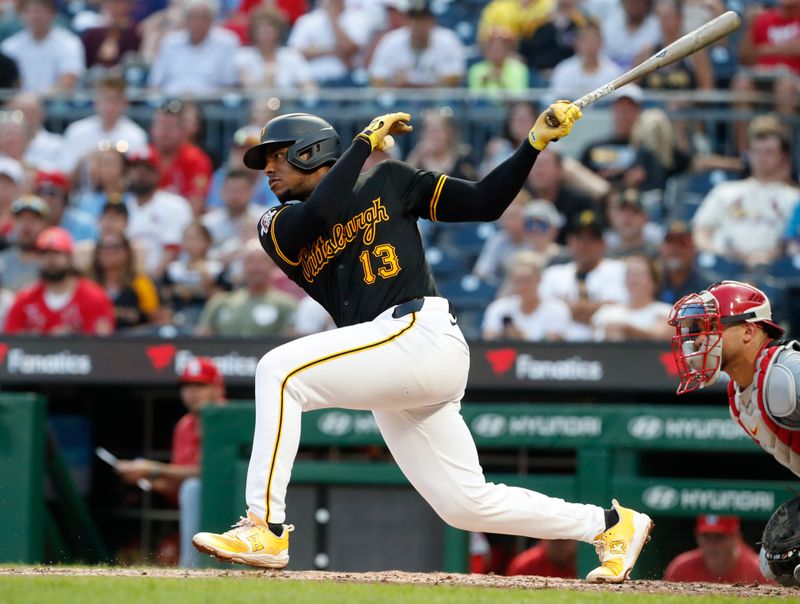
<point>529,368</point>
<point>231,364</point>
<point>20,362</point>
<point>501,360</point>
<point>160,356</point>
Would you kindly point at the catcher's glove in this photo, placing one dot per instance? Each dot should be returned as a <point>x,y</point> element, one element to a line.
<point>781,543</point>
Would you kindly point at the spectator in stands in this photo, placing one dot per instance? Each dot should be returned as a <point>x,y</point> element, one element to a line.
<point>745,220</point>
<point>19,264</point>
<point>113,221</point>
<point>192,280</point>
<point>108,43</point>
<point>53,188</point>
<point>522,17</point>
<point>9,72</point>
<point>548,558</point>
<point>15,135</point>
<point>108,129</point>
<point>629,30</point>
<point>60,302</point>
<point>157,218</point>
<point>655,133</point>
<point>691,73</point>
<point>49,58</point>
<point>678,260</point>
<point>721,555</point>
<point>44,148</point>
<point>11,180</point>
<point>201,385</point>
<point>547,181</point>
<point>524,315</point>
<point>769,47</point>
<point>153,29</point>
<point>244,138</point>
<point>792,234</point>
<point>239,13</point>
<point>132,293</point>
<point>439,150</point>
<point>590,280</point>
<point>554,40</point>
<point>632,233</point>
<point>311,317</point>
<point>394,18</point>
<point>103,181</point>
<point>588,69</point>
<point>185,168</point>
<point>503,244</point>
<point>616,158</point>
<point>501,70</point>
<point>519,121</point>
<point>254,310</point>
<point>419,55</point>
<point>643,316</point>
<point>330,37</point>
<point>543,223</point>
<point>196,59</point>
<point>268,65</point>
<point>232,226</point>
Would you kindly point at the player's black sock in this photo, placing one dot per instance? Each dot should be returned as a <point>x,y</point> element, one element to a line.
<point>277,529</point>
<point>612,517</point>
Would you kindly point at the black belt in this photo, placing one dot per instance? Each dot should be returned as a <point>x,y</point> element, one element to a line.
<point>415,305</point>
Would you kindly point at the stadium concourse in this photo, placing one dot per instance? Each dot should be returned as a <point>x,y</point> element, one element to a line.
<point>123,128</point>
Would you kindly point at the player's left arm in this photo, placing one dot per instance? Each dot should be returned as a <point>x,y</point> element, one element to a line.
<point>457,200</point>
<point>782,390</point>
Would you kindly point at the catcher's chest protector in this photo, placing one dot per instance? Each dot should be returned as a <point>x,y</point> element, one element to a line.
<point>749,410</point>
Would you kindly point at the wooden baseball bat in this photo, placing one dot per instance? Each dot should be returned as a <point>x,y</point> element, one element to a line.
<point>701,37</point>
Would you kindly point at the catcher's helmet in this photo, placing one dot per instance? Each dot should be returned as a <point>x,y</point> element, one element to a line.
<point>705,314</point>
<point>302,133</point>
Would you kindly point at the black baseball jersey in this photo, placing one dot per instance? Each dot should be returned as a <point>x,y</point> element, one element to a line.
<point>370,255</point>
<point>354,245</point>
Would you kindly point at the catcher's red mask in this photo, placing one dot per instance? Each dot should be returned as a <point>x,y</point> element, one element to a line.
<point>699,320</point>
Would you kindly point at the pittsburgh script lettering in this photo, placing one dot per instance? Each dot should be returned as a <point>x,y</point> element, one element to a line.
<point>314,258</point>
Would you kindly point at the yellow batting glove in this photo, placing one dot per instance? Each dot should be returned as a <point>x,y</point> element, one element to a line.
<point>555,123</point>
<point>380,130</point>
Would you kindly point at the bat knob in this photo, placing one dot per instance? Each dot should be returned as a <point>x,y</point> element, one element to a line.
<point>551,119</point>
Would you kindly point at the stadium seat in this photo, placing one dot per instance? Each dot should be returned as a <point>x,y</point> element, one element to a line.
<point>785,269</point>
<point>470,238</point>
<point>467,292</point>
<point>443,264</point>
<point>720,267</point>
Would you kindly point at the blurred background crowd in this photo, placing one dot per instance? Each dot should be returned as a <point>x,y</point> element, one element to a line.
<point>125,206</point>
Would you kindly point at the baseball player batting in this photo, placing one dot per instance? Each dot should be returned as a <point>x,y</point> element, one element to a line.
<point>729,327</point>
<point>351,241</point>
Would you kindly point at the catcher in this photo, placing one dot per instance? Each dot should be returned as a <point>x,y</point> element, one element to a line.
<point>729,327</point>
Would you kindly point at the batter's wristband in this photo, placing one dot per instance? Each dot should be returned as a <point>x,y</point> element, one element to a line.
<point>366,137</point>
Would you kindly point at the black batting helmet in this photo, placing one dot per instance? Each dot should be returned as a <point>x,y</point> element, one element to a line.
<point>302,133</point>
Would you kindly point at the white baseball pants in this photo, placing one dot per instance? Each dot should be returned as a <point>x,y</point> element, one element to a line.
<point>411,372</point>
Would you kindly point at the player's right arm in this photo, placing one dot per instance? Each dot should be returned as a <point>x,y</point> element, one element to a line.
<point>456,200</point>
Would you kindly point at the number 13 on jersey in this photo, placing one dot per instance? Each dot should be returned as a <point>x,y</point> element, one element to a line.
<point>389,267</point>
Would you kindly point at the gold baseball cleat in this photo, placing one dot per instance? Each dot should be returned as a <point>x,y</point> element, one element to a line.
<point>248,542</point>
<point>619,546</point>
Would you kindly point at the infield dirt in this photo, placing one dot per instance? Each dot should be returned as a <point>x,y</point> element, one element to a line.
<point>396,577</point>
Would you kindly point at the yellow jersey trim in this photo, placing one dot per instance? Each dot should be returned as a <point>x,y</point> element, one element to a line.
<point>275,241</point>
<point>436,193</point>
<point>319,361</point>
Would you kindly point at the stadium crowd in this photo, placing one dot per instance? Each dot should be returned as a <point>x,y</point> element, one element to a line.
<point>119,226</point>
